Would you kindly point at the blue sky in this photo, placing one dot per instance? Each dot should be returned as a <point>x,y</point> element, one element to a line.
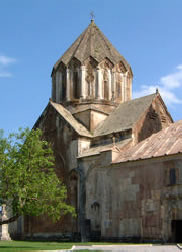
<point>34,34</point>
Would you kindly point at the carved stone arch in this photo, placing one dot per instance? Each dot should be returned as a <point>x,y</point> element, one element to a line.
<point>120,67</point>
<point>92,61</point>
<point>106,65</point>
<point>74,66</point>
<point>74,63</point>
<point>120,70</point>
<point>62,69</point>
<point>91,65</point>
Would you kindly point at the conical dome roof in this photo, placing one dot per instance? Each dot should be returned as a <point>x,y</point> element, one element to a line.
<point>92,42</point>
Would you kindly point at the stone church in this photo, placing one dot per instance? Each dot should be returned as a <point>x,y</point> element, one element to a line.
<point>121,158</point>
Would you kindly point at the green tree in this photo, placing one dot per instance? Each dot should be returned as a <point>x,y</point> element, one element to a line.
<point>28,179</point>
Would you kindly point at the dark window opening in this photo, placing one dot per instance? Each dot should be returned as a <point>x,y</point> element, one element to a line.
<point>76,85</point>
<point>176,227</point>
<point>172,176</point>
<point>64,87</point>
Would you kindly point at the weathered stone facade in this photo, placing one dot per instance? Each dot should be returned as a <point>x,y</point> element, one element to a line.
<point>105,148</point>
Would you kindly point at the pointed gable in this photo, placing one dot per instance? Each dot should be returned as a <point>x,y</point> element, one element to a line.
<point>124,116</point>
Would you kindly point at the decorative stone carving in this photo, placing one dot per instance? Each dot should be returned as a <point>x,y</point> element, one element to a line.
<point>120,67</point>
<point>90,76</point>
<point>106,84</point>
<point>106,64</point>
<point>90,79</point>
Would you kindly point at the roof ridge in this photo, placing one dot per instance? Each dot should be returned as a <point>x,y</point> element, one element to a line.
<point>79,37</point>
<point>80,40</point>
<point>106,41</point>
<point>142,97</point>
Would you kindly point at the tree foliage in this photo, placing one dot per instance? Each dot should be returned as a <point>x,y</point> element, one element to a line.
<point>27,177</point>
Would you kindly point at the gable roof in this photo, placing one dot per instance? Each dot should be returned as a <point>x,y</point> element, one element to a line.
<point>166,142</point>
<point>124,116</point>
<point>78,127</point>
<point>92,42</point>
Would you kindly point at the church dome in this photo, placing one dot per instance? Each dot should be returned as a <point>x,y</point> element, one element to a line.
<point>91,69</point>
<point>92,42</point>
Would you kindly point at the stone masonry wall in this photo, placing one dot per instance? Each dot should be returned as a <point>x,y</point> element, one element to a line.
<point>134,200</point>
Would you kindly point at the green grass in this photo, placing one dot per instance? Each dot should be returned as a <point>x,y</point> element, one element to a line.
<point>19,246</point>
<point>16,246</point>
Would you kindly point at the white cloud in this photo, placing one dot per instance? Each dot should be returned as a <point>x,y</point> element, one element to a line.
<point>179,67</point>
<point>4,63</point>
<point>4,60</point>
<point>168,85</point>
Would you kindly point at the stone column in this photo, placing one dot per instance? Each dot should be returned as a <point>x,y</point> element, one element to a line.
<point>125,85</point>
<point>68,84</point>
<point>99,84</point>
<point>130,85</point>
<point>82,83</point>
<point>4,236</point>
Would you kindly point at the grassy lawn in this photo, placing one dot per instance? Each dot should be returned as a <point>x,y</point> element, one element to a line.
<point>19,246</point>
<point>16,246</point>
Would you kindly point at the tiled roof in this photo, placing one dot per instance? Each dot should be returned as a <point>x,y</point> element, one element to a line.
<point>92,42</point>
<point>78,127</point>
<point>124,116</point>
<point>166,142</point>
